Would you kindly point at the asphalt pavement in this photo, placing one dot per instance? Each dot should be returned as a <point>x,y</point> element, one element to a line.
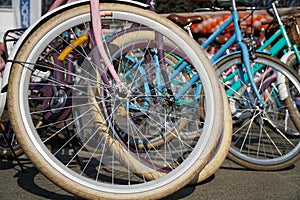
<point>230,182</point>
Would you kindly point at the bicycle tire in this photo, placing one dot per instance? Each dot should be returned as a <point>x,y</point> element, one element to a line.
<point>256,151</point>
<point>131,39</point>
<point>222,148</point>
<point>35,141</point>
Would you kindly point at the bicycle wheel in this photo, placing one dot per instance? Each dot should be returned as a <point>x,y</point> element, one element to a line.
<point>58,104</point>
<point>222,148</point>
<point>263,136</point>
<point>133,44</point>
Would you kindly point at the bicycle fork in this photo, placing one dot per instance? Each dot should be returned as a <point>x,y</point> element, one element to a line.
<point>245,57</point>
<point>97,37</point>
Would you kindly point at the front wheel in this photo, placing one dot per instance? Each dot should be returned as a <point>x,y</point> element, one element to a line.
<point>56,99</point>
<point>265,137</point>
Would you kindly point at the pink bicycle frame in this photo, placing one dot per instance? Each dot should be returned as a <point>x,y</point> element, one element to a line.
<point>97,31</point>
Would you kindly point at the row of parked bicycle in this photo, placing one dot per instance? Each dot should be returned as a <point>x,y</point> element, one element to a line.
<point>128,105</point>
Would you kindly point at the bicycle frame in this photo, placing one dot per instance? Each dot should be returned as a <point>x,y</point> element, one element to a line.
<point>283,44</point>
<point>97,30</point>
<point>236,38</point>
<point>283,41</point>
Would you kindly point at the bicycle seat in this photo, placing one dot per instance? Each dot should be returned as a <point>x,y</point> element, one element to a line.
<point>185,20</point>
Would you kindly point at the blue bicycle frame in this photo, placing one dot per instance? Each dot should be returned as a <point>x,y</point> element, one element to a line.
<point>236,38</point>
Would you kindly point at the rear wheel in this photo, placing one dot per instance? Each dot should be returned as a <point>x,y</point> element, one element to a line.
<point>132,44</point>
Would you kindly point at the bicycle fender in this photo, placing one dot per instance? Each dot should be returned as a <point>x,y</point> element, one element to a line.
<point>280,79</point>
<point>45,17</point>
<point>234,53</point>
<point>225,56</point>
<point>286,56</point>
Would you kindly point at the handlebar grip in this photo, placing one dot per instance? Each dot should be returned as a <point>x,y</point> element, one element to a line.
<point>74,43</point>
